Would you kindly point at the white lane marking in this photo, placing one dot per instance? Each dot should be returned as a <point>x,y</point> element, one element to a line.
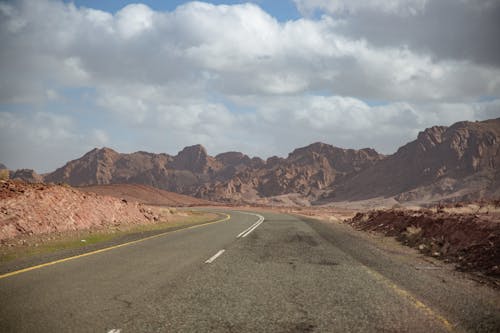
<point>115,330</point>
<point>251,228</point>
<point>255,227</point>
<point>244,231</point>
<point>212,258</point>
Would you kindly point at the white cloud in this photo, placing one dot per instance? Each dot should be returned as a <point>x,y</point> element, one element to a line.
<point>133,20</point>
<point>38,140</point>
<point>100,137</point>
<point>434,27</point>
<point>399,7</point>
<point>236,49</point>
<point>229,77</point>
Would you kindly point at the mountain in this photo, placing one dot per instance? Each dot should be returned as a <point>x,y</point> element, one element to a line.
<point>28,175</point>
<point>106,166</point>
<point>307,171</point>
<point>145,194</point>
<point>459,162</point>
<point>227,176</point>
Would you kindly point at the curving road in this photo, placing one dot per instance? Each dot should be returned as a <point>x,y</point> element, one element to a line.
<point>262,272</point>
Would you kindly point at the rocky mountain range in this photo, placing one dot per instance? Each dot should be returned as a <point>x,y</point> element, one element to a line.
<point>459,162</point>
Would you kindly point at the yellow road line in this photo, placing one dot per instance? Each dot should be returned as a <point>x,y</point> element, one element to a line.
<point>406,294</point>
<point>3,276</point>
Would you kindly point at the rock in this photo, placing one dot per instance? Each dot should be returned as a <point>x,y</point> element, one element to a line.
<point>462,158</point>
<point>57,208</point>
<point>27,175</point>
<point>458,163</point>
<point>195,159</point>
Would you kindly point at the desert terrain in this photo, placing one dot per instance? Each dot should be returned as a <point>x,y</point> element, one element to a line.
<point>438,193</point>
<point>443,164</point>
<point>386,227</point>
<point>39,218</point>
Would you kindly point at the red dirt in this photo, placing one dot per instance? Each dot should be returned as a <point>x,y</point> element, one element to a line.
<point>14,188</point>
<point>472,241</point>
<point>146,194</point>
<point>35,209</point>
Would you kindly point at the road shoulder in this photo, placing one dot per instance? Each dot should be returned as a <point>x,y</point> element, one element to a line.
<point>435,283</point>
<point>124,238</point>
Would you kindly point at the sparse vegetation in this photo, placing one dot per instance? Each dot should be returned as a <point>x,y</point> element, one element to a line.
<point>44,244</point>
<point>4,174</point>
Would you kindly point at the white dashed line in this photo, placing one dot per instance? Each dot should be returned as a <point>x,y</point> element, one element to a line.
<point>209,261</point>
<point>251,228</point>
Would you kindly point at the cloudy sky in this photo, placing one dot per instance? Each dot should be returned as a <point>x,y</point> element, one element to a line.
<point>261,77</point>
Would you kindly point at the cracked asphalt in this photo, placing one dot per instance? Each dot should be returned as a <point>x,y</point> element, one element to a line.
<point>290,274</point>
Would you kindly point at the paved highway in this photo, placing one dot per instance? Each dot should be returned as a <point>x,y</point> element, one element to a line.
<point>282,274</point>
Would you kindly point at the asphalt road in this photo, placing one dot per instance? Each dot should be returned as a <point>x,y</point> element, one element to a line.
<point>286,275</point>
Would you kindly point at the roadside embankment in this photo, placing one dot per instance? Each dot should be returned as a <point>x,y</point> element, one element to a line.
<point>34,209</point>
<point>37,219</point>
<point>471,240</point>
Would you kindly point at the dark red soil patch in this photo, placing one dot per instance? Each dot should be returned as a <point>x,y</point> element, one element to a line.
<point>469,240</point>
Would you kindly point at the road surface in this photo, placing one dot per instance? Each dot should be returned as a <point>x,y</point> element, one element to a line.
<point>283,274</point>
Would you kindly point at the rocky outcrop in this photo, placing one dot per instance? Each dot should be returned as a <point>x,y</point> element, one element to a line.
<point>459,158</point>
<point>233,158</point>
<point>95,167</point>
<point>27,175</point>
<point>182,173</point>
<point>196,160</point>
<point>452,163</point>
<point>307,171</point>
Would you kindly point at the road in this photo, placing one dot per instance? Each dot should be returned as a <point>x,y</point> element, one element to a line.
<point>288,274</point>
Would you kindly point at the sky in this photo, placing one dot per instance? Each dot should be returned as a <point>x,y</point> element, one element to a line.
<point>262,77</point>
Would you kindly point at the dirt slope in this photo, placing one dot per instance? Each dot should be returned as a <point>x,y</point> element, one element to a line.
<point>36,209</point>
<point>469,238</point>
<point>145,194</point>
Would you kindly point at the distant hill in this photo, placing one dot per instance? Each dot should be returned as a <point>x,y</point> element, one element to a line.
<point>308,171</point>
<point>459,162</point>
<point>145,194</point>
<point>28,175</point>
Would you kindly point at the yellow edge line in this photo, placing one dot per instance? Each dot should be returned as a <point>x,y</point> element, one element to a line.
<point>3,276</point>
<point>418,304</point>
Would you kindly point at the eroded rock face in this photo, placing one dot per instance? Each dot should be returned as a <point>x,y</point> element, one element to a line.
<point>195,159</point>
<point>460,161</point>
<point>95,167</point>
<point>307,171</point>
<point>233,158</point>
<point>460,154</point>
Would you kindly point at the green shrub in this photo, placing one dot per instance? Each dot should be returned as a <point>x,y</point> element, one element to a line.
<point>4,174</point>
